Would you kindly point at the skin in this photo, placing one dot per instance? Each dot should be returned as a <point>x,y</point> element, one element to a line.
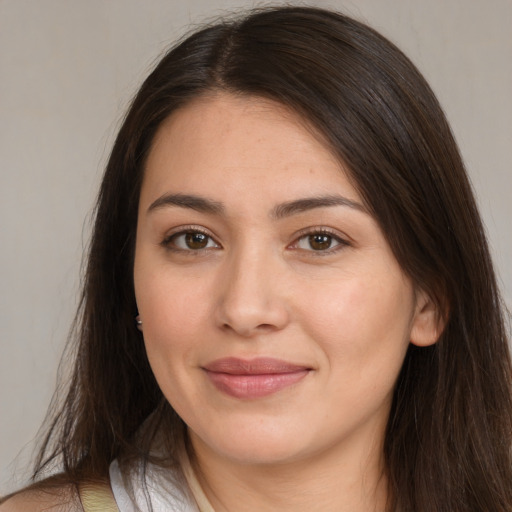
<point>60,498</point>
<point>261,287</point>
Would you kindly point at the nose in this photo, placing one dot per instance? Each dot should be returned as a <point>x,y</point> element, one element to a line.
<point>252,297</point>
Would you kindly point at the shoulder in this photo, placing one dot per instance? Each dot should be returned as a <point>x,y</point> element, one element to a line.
<point>41,498</point>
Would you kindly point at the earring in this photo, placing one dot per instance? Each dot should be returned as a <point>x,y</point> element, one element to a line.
<point>138,321</point>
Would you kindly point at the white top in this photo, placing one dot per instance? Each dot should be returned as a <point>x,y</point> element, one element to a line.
<point>166,490</point>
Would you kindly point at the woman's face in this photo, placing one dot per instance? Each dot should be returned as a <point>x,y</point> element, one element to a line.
<point>275,316</point>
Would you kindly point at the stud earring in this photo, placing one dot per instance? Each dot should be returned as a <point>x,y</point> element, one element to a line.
<point>138,321</point>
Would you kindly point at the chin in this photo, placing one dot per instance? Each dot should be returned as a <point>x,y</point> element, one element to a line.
<point>257,445</point>
<point>265,454</point>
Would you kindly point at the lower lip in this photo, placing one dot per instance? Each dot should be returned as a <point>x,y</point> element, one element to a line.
<point>254,386</point>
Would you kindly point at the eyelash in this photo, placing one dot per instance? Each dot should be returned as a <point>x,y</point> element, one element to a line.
<point>167,242</point>
<point>340,242</point>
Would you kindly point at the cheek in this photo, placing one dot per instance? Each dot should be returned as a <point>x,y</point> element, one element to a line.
<point>174,310</point>
<point>364,321</point>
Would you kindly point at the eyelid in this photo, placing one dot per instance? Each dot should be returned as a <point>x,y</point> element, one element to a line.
<point>342,239</point>
<point>182,230</point>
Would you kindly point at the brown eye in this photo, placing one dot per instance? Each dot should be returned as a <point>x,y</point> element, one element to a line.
<point>320,241</point>
<point>190,241</point>
<point>196,240</point>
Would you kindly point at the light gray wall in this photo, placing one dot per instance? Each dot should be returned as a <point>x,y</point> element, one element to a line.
<point>67,70</point>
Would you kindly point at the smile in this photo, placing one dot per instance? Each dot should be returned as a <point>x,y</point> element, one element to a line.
<point>256,378</point>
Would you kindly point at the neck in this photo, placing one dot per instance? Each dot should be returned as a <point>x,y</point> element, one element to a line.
<point>349,479</point>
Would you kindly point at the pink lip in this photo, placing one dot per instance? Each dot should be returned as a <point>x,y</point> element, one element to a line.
<point>255,378</point>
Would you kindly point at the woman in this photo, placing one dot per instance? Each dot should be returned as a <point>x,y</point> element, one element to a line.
<point>289,302</point>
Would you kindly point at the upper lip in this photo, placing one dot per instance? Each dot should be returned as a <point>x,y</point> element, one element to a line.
<point>257,366</point>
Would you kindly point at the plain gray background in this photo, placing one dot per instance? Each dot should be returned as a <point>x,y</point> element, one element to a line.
<point>67,71</point>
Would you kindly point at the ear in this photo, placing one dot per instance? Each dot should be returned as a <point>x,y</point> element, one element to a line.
<point>428,322</point>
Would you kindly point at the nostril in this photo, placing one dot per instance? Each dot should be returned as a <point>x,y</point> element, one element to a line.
<point>246,307</point>
<point>248,330</point>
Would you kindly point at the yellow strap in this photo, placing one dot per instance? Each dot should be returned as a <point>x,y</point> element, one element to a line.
<point>190,476</point>
<point>97,497</point>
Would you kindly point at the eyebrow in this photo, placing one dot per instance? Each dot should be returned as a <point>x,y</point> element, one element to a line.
<point>200,204</point>
<point>302,205</point>
<point>280,211</point>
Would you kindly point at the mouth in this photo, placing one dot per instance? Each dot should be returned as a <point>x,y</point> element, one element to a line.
<point>255,378</point>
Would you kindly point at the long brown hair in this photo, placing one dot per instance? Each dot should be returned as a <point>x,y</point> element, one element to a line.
<point>448,440</point>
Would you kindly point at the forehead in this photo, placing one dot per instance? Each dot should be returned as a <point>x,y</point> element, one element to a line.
<point>230,143</point>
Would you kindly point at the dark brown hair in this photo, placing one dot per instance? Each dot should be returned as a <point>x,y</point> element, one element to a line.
<point>448,440</point>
